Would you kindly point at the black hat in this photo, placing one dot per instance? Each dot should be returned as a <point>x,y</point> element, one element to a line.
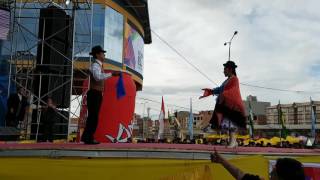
<point>230,64</point>
<point>96,50</point>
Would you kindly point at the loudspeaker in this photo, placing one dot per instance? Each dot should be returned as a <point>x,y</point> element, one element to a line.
<point>54,29</point>
<point>52,56</point>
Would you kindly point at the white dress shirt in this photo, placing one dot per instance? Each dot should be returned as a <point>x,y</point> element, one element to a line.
<point>96,70</point>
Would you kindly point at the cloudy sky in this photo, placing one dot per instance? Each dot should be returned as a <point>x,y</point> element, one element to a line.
<point>278,46</point>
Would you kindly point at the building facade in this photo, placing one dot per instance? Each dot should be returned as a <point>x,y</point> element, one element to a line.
<point>297,118</point>
<point>259,109</point>
<point>205,117</point>
<point>183,117</point>
<point>201,120</point>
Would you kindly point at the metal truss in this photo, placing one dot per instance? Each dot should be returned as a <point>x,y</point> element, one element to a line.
<point>23,61</point>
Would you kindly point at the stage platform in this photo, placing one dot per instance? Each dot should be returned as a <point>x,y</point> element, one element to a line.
<point>143,150</point>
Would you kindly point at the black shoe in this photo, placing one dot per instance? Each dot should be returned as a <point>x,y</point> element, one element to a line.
<point>92,142</point>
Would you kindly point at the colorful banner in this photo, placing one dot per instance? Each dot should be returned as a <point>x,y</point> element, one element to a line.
<point>313,119</point>
<point>190,121</point>
<point>4,23</point>
<point>282,121</point>
<point>133,49</point>
<point>251,128</point>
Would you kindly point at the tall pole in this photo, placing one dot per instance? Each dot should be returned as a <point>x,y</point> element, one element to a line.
<point>313,119</point>
<point>73,20</point>
<point>229,51</point>
<point>190,125</point>
<point>40,83</point>
<point>147,124</point>
<point>251,129</point>
<point>143,123</point>
<point>280,122</point>
<point>229,43</point>
<point>148,112</point>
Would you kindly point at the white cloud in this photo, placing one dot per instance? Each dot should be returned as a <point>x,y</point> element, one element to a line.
<point>277,46</point>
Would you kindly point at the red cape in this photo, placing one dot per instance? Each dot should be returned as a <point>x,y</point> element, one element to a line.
<point>229,105</point>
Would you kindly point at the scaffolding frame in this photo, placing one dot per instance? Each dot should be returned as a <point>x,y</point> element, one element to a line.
<point>22,62</point>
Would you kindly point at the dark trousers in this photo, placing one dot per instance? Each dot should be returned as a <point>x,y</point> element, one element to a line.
<point>94,99</point>
<point>48,131</point>
<point>48,119</point>
<point>11,120</point>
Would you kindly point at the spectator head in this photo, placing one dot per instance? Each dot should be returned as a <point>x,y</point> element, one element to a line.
<point>288,169</point>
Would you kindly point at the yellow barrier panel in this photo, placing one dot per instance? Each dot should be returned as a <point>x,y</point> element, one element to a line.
<point>199,173</point>
<point>309,159</point>
<point>93,169</point>
<point>257,165</point>
<point>129,169</point>
<point>27,142</point>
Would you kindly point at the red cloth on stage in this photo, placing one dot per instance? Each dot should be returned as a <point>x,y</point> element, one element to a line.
<point>116,114</point>
<point>229,105</point>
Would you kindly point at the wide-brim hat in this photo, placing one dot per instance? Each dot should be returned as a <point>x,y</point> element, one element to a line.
<point>230,64</point>
<point>96,50</point>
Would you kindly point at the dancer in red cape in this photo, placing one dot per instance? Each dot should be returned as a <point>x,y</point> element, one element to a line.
<point>229,112</point>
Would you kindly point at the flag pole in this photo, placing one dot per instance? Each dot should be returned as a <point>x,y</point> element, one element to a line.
<point>191,121</point>
<point>251,129</point>
<point>279,121</point>
<point>313,119</point>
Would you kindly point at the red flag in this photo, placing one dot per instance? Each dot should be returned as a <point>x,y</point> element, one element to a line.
<point>162,107</point>
<point>161,121</point>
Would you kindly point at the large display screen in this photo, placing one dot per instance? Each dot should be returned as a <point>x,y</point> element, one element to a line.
<point>4,23</point>
<point>133,49</point>
<point>113,34</point>
<point>83,44</point>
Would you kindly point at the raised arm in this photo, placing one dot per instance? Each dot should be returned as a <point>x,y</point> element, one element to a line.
<point>233,170</point>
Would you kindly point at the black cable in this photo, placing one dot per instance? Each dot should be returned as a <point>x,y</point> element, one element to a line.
<point>151,100</point>
<point>277,89</point>
<point>184,58</point>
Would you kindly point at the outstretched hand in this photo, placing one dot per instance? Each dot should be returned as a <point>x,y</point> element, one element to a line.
<point>207,92</point>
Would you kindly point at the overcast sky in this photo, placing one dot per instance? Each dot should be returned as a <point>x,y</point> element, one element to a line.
<point>278,46</point>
